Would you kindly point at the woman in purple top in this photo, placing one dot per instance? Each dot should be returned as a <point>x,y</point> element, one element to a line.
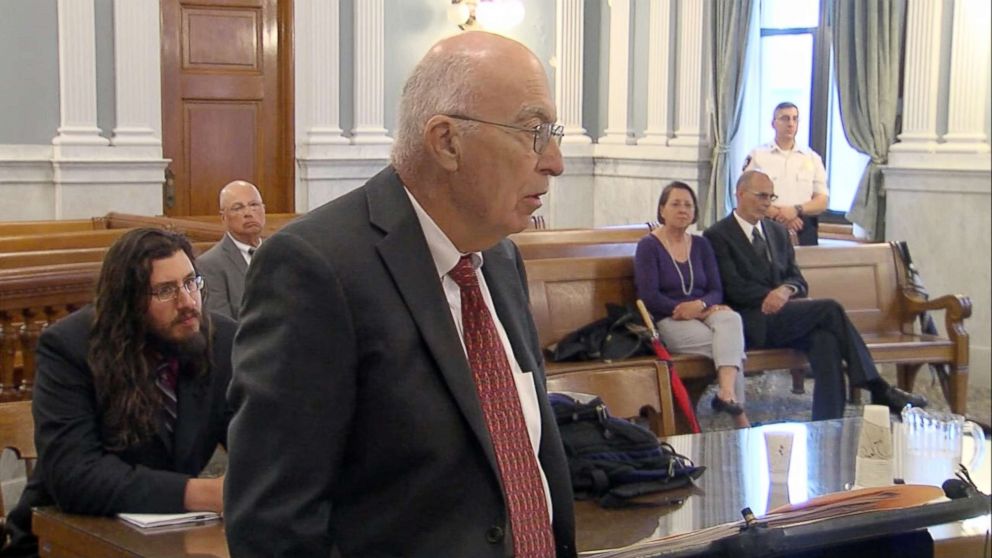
<point>679,282</point>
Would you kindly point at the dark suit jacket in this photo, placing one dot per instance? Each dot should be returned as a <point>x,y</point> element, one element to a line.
<point>357,424</point>
<point>747,277</point>
<point>223,269</point>
<point>74,471</point>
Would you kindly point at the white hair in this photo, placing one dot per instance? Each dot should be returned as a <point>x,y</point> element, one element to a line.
<point>442,83</point>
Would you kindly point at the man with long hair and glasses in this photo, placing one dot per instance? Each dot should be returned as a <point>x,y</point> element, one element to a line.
<point>129,399</point>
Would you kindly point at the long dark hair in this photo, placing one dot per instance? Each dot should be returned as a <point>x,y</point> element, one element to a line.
<point>129,402</point>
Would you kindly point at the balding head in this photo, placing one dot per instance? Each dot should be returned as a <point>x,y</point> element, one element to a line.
<point>755,194</point>
<point>454,77</point>
<point>242,211</point>
<point>477,140</point>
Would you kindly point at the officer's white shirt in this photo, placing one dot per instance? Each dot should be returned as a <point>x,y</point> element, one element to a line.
<point>797,173</point>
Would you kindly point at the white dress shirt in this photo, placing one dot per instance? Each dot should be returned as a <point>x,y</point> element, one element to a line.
<point>446,256</point>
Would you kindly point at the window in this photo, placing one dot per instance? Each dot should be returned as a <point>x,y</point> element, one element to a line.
<point>789,60</point>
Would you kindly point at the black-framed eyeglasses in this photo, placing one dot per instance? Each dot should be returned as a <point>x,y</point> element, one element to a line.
<point>169,292</point>
<point>543,133</point>
<point>763,196</point>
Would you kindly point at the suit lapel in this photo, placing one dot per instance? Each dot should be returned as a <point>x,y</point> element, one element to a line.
<point>408,260</point>
<point>193,414</point>
<point>234,255</point>
<point>501,275</point>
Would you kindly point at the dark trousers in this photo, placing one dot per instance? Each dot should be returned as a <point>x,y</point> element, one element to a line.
<point>808,236</point>
<point>822,330</point>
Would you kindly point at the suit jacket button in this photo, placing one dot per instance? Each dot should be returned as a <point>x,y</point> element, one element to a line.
<point>494,534</point>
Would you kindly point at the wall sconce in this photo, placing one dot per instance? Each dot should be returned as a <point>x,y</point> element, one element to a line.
<point>488,15</point>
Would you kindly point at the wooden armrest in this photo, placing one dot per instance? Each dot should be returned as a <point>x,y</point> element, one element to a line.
<point>956,309</point>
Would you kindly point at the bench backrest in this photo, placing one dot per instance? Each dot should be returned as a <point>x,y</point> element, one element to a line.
<point>59,240</point>
<point>567,293</point>
<point>18,228</point>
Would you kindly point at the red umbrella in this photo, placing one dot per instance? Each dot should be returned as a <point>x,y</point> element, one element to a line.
<point>678,388</point>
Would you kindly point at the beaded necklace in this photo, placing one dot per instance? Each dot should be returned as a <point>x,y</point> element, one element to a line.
<point>686,289</point>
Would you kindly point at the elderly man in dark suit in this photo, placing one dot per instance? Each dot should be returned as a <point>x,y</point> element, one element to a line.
<point>224,265</point>
<point>762,282</point>
<point>389,392</point>
<point>129,400</point>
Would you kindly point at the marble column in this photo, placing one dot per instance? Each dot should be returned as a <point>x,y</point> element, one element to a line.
<point>568,79</point>
<point>689,98</point>
<point>138,78</point>
<point>369,69</point>
<point>922,77</point>
<point>969,78</point>
<point>617,131</point>
<point>78,132</point>
<point>659,77</point>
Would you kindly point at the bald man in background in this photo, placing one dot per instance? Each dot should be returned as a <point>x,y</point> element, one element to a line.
<point>224,266</point>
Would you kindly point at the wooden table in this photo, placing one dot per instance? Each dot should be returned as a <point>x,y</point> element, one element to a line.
<point>736,476</point>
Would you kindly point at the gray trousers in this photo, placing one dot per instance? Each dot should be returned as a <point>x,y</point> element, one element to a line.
<point>719,337</point>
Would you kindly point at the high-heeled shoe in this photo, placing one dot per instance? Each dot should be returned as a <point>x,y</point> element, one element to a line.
<point>723,406</point>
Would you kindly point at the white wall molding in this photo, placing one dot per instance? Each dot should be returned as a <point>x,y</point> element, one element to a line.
<point>689,98</point>
<point>922,78</point>
<point>78,132</point>
<point>969,78</point>
<point>369,68</point>
<point>317,34</point>
<point>568,62</point>
<point>659,75</point>
<point>138,85</point>
<point>617,127</point>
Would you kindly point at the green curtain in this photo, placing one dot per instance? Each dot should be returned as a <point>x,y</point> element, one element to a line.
<point>728,48</point>
<point>868,37</point>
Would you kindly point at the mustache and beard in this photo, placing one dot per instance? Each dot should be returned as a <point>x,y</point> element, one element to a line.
<point>186,349</point>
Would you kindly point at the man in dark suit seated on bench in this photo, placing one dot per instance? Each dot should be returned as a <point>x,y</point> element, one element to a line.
<point>762,282</point>
<point>129,401</point>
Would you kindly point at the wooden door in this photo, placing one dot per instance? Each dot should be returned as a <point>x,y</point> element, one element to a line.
<point>227,101</point>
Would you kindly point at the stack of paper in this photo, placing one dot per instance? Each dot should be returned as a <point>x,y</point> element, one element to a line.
<point>153,520</point>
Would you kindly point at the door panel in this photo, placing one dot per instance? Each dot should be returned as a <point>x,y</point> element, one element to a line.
<point>227,100</point>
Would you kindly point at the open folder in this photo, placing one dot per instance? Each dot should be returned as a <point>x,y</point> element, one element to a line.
<point>155,520</point>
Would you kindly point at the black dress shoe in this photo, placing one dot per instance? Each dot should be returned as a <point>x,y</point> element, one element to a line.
<point>896,399</point>
<point>729,407</point>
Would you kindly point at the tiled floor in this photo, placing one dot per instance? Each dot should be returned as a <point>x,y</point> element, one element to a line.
<point>770,399</point>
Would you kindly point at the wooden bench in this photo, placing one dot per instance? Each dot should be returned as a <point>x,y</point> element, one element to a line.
<point>18,228</point>
<point>868,279</point>
<point>39,242</point>
<point>33,297</point>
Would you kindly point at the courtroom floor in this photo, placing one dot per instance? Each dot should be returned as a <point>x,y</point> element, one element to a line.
<point>770,399</point>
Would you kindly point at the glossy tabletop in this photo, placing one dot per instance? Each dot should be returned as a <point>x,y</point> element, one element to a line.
<point>736,476</point>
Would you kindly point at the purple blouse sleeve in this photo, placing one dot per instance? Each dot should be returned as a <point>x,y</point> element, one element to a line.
<point>647,277</point>
<point>714,287</point>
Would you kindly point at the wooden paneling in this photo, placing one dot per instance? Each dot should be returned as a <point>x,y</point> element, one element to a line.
<point>227,107</point>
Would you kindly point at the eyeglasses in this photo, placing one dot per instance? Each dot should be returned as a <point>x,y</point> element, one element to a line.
<point>542,132</point>
<point>169,292</point>
<point>239,207</point>
<point>763,196</point>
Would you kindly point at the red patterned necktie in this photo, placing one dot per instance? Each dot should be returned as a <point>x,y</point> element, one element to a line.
<point>518,467</point>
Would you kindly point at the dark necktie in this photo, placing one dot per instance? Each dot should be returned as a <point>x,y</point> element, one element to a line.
<point>760,246</point>
<point>166,378</point>
<point>518,467</point>
<point>251,253</point>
